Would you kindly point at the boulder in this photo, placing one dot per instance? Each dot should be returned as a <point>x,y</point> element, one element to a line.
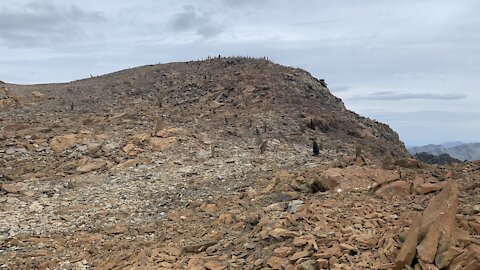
<point>432,239</point>
<point>429,187</point>
<point>327,181</point>
<point>61,143</point>
<point>438,224</point>
<point>397,188</point>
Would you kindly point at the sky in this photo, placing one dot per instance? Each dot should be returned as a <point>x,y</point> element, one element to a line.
<point>414,65</point>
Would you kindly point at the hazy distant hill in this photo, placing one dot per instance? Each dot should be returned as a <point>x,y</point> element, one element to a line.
<point>442,159</point>
<point>466,151</point>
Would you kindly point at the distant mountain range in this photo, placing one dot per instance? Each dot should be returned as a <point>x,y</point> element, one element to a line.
<point>442,159</point>
<point>458,150</point>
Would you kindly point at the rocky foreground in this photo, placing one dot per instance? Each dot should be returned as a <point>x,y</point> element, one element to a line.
<point>209,165</point>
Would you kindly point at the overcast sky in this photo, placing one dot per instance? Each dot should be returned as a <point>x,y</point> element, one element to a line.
<point>412,64</point>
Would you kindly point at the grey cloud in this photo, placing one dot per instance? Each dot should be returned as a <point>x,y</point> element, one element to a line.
<point>338,89</point>
<point>236,3</point>
<point>190,19</point>
<point>208,31</point>
<point>244,3</point>
<point>41,22</point>
<point>390,95</point>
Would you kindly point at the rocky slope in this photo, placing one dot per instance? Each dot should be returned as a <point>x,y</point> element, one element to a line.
<point>209,165</point>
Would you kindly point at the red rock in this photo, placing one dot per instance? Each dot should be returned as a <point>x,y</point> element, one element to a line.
<point>444,259</point>
<point>279,233</point>
<point>473,265</point>
<point>61,143</point>
<point>429,187</point>
<point>475,226</point>
<point>198,247</point>
<point>335,250</point>
<point>397,188</point>
<point>407,252</point>
<point>276,262</point>
<point>417,182</point>
<point>299,254</point>
<point>214,265</point>
<point>321,264</point>
<point>282,251</point>
<point>437,231</point>
<point>327,181</point>
<point>427,249</point>
<point>427,266</point>
<point>300,241</point>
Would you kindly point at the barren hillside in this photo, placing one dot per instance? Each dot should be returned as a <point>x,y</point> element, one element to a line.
<point>209,165</point>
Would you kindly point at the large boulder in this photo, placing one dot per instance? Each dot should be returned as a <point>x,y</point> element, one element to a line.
<point>61,143</point>
<point>438,224</point>
<point>432,239</point>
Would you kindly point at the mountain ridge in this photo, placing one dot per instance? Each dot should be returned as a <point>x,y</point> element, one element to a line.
<point>460,151</point>
<point>245,90</point>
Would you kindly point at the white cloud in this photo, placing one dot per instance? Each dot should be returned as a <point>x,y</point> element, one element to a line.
<point>392,96</point>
